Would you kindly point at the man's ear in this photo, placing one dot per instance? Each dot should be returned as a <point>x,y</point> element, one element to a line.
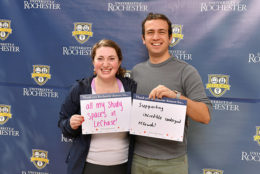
<point>170,39</point>
<point>143,39</point>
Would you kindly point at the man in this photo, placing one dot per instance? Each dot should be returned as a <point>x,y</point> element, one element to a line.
<point>165,76</point>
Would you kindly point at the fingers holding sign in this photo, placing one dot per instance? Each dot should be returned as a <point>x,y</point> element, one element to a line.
<point>76,121</point>
<point>161,91</point>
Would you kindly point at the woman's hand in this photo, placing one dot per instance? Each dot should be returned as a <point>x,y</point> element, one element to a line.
<point>76,121</point>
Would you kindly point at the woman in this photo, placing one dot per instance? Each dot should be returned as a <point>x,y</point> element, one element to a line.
<point>98,153</point>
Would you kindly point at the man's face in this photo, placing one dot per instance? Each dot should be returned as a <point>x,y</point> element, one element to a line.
<point>156,37</point>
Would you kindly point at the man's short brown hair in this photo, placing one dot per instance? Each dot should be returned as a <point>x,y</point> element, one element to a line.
<point>154,16</point>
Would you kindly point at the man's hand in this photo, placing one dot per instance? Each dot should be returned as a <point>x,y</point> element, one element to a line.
<point>161,91</point>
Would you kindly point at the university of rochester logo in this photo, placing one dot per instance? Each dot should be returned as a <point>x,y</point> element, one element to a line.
<point>223,5</point>
<point>5,113</point>
<point>41,74</point>
<point>218,84</point>
<point>176,34</point>
<point>254,58</point>
<point>5,29</point>
<point>39,158</point>
<point>257,136</point>
<point>127,6</point>
<point>82,31</point>
<point>212,171</point>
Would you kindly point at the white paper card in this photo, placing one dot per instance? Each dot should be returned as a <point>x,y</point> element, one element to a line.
<point>157,118</point>
<point>105,113</point>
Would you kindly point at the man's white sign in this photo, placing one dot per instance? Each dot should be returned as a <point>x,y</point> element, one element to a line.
<point>157,118</point>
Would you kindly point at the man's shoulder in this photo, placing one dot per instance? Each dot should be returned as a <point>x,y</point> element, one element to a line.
<point>183,64</point>
<point>140,65</point>
<point>178,61</point>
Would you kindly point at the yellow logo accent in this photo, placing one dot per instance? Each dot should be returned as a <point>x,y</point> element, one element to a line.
<point>257,136</point>
<point>212,171</point>
<point>218,84</point>
<point>5,113</point>
<point>41,74</point>
<point>5,29</point>
<point>176,34</point>
<point>39,158</point>
<point>82,31</point>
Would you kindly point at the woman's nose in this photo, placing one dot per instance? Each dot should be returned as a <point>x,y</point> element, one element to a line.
<point>106,63</point>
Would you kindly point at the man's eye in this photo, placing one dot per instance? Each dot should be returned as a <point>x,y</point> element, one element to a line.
<point>162,32</point>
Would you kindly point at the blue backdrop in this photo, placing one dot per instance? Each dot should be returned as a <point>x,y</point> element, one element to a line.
<point>45,46</point>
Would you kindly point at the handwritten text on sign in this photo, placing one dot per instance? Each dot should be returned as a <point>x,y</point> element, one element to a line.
<point>104,113</point>
<point>158,118</point>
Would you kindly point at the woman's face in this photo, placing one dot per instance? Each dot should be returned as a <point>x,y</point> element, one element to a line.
<point>106,63</point>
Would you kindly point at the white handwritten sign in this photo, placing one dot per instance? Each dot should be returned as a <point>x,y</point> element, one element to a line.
<point>158,118</point>
<point>104,113</point>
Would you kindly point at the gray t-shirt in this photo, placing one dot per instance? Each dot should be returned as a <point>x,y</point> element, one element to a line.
<point>175,75</point>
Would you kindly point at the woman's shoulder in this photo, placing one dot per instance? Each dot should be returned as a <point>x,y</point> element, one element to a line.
<point>125,79</point>
<point>82,85</point>
<point>128,83</point>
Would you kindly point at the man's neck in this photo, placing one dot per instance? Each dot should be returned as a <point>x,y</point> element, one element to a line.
<point>159,59</point>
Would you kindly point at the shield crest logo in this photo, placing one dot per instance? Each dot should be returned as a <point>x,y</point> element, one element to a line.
<point>176,34</point>
<point>39,158</point>
<point>5,113</point>
<point>5,29</point>
<point>82,31</point>
<point>218,84</point>
<point>41,74</point>
<point>257,136</point>
<point>212,171</point>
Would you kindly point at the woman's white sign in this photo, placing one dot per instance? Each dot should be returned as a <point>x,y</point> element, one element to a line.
<point>104,113</point>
